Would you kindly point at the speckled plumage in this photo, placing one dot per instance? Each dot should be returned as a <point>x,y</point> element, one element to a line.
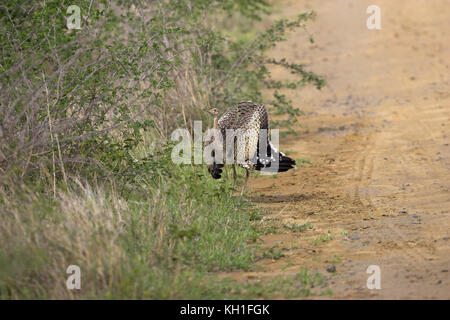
<point>247,120</point>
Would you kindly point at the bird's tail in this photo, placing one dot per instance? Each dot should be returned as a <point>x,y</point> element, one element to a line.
<point>286,163</point>
<point>283,164</point>
<point>275,161</point>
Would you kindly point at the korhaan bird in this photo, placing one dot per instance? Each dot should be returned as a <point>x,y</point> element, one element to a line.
<point>248,118</point>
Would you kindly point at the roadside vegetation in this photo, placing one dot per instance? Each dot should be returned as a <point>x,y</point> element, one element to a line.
<point>86,176</point>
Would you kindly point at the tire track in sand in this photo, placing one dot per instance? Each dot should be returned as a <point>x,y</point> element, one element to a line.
<point>380,185</point>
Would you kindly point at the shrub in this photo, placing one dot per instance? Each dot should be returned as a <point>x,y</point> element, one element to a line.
<point>73,100</point>
<point>85,171</point>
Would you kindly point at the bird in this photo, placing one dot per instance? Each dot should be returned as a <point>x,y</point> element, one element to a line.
<point>251,120</point>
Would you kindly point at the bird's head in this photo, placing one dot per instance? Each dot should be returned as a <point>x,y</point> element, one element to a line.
<point>213,111</point>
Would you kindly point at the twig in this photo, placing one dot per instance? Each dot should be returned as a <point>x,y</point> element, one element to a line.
<point>51,135</point>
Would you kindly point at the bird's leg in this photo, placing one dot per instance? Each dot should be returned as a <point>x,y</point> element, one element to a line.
<point>247,174</point>
<point>234,175</point>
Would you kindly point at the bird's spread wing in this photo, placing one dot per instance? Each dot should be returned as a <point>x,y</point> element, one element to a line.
<point>246,120</point>
<point>240,116</point>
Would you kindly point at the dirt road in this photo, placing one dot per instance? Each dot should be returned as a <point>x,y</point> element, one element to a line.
<point>377,190</point>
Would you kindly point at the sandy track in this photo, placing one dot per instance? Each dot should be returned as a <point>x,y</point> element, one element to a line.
<point>378,189</point>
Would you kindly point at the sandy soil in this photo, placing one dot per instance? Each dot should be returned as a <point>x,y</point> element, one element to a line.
<point>377,191</point>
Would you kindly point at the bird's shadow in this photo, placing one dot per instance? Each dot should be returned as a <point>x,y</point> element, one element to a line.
<point>295,197</point>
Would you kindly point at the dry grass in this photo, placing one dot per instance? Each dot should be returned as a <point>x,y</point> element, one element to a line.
<point>125,248</point>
